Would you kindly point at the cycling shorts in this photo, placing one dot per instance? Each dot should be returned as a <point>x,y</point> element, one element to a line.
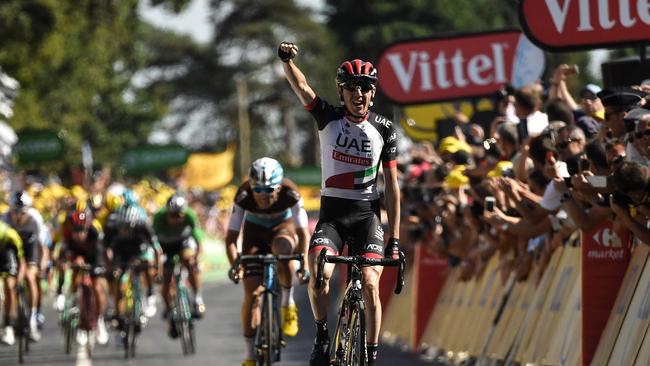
<point>257,239</point>
<point>188,245</point>
<point>32,252</point>
<point>354,222</point>
<point>9,261</point>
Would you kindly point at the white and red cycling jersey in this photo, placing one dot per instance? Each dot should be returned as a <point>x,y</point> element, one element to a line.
<point>352,150</point>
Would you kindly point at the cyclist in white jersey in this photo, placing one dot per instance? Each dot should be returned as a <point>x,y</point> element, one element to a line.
<point>29,224</point>
<point>354,141</point>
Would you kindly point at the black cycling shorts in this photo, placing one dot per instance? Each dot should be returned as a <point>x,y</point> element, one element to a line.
<point>31,250</point>
<point>349,221</point>
<point>172,249</point>
<point>9,261</point>
<point>258,239</point>
<point>92,256</point>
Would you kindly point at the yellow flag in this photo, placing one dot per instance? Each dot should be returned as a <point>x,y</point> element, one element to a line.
<point>210,170</point>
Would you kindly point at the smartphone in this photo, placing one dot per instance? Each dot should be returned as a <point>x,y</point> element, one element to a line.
<point>489,203</point>
<point>597,181</point>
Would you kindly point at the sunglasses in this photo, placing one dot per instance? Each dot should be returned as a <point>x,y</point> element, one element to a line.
<point>263,189</point>
<point>358,86</point>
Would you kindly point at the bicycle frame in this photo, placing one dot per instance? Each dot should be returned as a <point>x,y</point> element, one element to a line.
<point>22,321</point>
<point>181,313</point>
<point>350,337</point>
<point>133,308</point>
<point>268,337</point>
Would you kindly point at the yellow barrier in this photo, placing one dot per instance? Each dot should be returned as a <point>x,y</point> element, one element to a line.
<point>565,343</point>
<point>434,326</point>
<point>534,308</point>
<point>635,324</point>
<point>511,320</point>
<point>555,303</point>
<point>623,299</point>
<point>399,316</point>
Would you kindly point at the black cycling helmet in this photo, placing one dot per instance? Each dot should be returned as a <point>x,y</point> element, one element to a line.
<point>176,203</point>
<point>20,200</point>
<point>356,70</point>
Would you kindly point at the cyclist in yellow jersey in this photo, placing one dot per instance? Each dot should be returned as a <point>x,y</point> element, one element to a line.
<point>12,264</point>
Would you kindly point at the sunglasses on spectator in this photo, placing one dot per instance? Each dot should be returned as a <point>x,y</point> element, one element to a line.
<point>263,189</point>
<point>564,144</point>
<point>617,160</point>
<point>364,87</point>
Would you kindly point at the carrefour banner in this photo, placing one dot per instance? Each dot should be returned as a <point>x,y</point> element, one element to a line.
<point>605,258</point>
<point>209,170</point>
<point>457,67</point>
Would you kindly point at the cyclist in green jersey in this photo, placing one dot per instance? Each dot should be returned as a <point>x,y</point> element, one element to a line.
<point>179,233</point>
<point>12,264</point>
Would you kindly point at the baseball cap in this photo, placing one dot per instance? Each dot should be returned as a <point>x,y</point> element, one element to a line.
<point>590,91</point>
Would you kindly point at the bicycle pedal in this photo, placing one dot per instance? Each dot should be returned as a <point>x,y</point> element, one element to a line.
<point>283,343</point>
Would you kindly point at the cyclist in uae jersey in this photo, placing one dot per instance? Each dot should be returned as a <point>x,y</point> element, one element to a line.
<point>354,142</point>
<point>272,213</point>
<point>11,262</point>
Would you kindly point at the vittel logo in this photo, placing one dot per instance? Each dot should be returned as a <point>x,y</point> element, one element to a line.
<point>445,70</point>
<point>472,65</point>
<point>573,24</point>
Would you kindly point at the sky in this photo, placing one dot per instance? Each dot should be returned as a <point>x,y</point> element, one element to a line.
<point>195,22</point>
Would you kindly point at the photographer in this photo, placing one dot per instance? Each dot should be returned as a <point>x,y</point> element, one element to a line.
<point>632,182</point>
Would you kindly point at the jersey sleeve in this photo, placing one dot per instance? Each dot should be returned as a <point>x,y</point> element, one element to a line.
<point>389,151</point>
<point>197,233</point>
<point>13,238</point>
<point>323,112</point>
<point>236,218</point>
<point>158,222</point>
<point>299,214</point>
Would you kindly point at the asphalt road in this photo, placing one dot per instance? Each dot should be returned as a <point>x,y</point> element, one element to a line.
<point>219,341</point>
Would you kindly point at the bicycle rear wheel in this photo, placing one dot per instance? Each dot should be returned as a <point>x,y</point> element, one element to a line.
<point>22,326</point>
<point>356,347</point>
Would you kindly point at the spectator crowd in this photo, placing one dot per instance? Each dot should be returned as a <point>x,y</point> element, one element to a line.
<point>545,169</point>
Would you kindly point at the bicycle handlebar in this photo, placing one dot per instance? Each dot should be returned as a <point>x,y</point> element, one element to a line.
<point>88,268</point>
<point>361,261</point>
<point>267,259</point>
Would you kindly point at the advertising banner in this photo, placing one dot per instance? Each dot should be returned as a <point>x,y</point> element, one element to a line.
<point>457,67</point>
<point>36,146</point>
<point>605,258</point>
<point>154,158</point>
<point>210,170</point>
<point>430,275</point>
<point>567,25</point>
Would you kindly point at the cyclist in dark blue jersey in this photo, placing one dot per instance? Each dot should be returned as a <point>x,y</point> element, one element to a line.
<point>354,143</point>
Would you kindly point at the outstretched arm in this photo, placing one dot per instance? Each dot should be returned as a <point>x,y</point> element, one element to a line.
<point>297,80</point>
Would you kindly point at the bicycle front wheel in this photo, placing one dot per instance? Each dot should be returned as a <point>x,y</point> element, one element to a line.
<point>264,342</point>
<point>356,347</point>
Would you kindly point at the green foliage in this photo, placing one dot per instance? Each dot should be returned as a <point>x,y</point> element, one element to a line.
<point>76,61</point>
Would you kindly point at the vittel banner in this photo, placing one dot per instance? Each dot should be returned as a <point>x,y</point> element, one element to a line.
<point>462,66</point>
<point>564,25</point>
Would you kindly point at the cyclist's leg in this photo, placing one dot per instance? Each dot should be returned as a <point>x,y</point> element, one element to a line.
<point>168,266</point>
<point>371,237</point>
<point>9,266</point>
<point>147,256</point>
<point>188,257</point>
<point>96,259</point>
<point>250,310</point>
<point>284,242</point>
<point>325,236</point>
<point>32,258</point>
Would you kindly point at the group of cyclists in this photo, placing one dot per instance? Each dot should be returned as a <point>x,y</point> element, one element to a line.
<point>267,209</point>
<point>106,239</point>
